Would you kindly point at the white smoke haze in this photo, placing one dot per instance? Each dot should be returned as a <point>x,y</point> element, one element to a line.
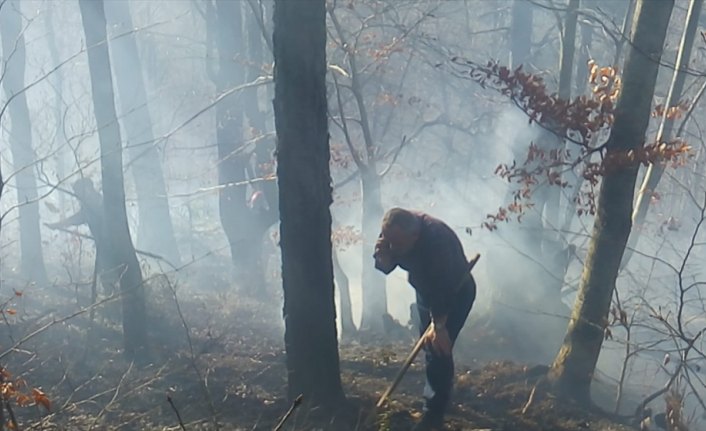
<point>446,169</point>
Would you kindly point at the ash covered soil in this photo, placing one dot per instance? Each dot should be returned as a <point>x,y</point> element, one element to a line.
<point>229,373</point>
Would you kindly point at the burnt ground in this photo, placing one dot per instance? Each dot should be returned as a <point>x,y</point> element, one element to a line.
<point>230,371</point>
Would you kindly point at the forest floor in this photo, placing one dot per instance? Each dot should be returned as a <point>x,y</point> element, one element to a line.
<point>229,373</point>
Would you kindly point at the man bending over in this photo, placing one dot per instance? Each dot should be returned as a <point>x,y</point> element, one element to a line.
<point>433,256</point>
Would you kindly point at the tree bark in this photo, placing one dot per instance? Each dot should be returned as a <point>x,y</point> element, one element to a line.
<point>348,329</point>
<point>305,195</point>
<point>664,133</point>
<point>373,281</point>
<point>155,232</point>
<point>122,257</point>
<point>226,27</point>
<point>627,23</point>
<point>566,69</point>
<point>584,57</point>
<point>575,363</point>
<point>521,34</point>
<point>13,50</point>
<point>520,55</point>
<point>373,284</point>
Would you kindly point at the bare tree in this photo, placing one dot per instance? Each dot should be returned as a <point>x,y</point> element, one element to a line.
<point>122,257</point>
<point>575,363</point>
<point>664,134</point>
<point>23,159</point>
<point>299,41</point>
<point>155,231</point>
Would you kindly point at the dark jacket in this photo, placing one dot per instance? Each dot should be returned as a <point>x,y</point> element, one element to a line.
<point>437,265</point>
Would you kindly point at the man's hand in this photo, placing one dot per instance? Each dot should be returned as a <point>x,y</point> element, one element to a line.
<point>439,339</point>
<point>383,257</point>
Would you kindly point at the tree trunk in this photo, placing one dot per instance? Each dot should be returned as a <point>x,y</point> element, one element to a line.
<point>305,195</point>
<point>242,228</point>
<point>521,34</point>
<point>664,134</point>
<point>117,233</point>
<point>568,48</point>
<point>372,281</point>
<point>13,50</point>
<point>226,22</point>
<point>263,216</point>
<point>57,81</point>
<point>155,232</point>
<point>576,361</point>
<point>584,57</point>
<point>627,23</point>
<point>520,55</point>
<point>373,284</point>
<point>348,329</point>
<point>566,68</point>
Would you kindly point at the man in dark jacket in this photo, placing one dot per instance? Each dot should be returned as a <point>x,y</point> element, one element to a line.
<point>437,267</point>
<point>91,213</point>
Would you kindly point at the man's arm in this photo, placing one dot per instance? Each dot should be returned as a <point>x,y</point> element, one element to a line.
<point>73,220</point>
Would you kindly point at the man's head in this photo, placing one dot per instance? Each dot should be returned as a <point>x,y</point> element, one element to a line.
<point>401,229</point>
<point>83,187</point>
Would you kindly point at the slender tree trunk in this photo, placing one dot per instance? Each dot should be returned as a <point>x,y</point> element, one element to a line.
<point>566,68</point>
<point>373,282</point>
<point>155,232</point>
<point>521,34</point>
<point>58,82</point>
<point>581,83</point>
<point>117,233</point>
<point>520,55</point>
<point>627,24</point>
<point>305,195</point>
<point>575,363</point>
<point>155,228</point>
<point>568,49</point>
<point>225,23</point>
<point>584,57</point>
<point>664,133</point>
<point>373,285</point>
<point>265,215</point>
<point>348,329</point>
<point>13,50</point>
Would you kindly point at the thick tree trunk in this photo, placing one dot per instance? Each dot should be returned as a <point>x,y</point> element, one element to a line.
<point>122,258</point>
<point>13,52</point>
<point>155,232</point>
<point>575,363</point>
<point>305,194</point>
<point>664,134</point>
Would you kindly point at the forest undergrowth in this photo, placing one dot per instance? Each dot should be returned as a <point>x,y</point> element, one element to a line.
<point>229,372</point>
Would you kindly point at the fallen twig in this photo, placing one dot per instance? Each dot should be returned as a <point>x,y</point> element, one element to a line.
<point>529,400</point>
<point>171,403</point>
<point>294,405</point>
